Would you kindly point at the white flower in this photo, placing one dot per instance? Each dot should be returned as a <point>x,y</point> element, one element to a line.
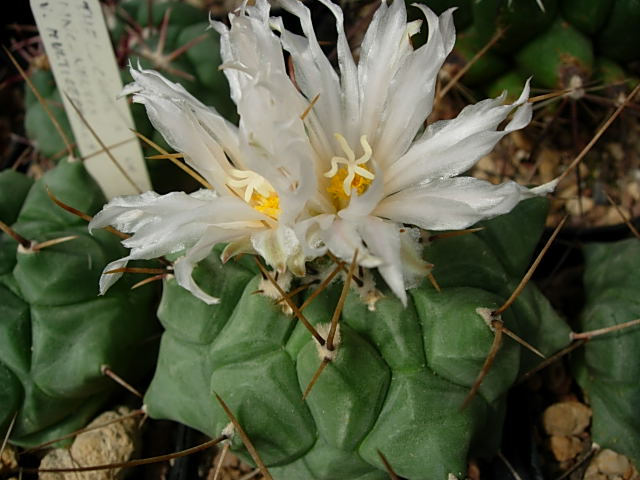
<point>325,161</point>
<point>258,173</point>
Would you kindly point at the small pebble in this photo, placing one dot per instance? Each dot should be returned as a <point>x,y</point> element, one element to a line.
<point>566,418</point>
<point>609,465</point>
<point>116,442</point>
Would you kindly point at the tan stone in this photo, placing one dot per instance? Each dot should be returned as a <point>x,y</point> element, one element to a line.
<point>609,465</point>
<point>112,443</point>
<point>578,206</point>
<point>566,418</point>
<point>9,460</point>
<point>59,458</point>
<point>565,448</point>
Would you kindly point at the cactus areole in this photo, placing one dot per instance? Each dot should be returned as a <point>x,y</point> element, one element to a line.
<point>328,169</point>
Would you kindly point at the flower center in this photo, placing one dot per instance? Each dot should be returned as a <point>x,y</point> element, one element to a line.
<point>269,205</point>
<point>258,192</point>
<point>348,173</point>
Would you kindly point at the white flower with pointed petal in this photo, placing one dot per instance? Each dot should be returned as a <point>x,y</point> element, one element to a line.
<point>325,162</point>
<point>258,173</point>
<point>380,172</point>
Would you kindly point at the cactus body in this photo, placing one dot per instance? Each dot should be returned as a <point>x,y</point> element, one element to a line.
<point>609,367</point>
<point>556,56</point>
<point>557,47</point>
<point>397,382</point>
<point>486,67</point>
<point>522,20</point>
<point>589,16</point>
<point>620,36</point>
<point>55,334</point>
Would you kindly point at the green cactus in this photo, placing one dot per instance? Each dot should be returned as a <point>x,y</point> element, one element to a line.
<point>187,30</point>
<point>522,21</point>
<point>608,367</point>
<point>38,126</point>
<point>397,382</point>
<point>619,36</point>
<point>589,16</point>
<point>487,67</point>
<point>558,55</point>
<point>55,334</point>
<point>557,45</point>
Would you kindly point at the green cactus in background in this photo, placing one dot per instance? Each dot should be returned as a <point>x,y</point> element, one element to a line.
<point>400,375</point>
<point>56,334</point>
<point>560,43</point>
<point>608,367</point>
<point>175,40</point>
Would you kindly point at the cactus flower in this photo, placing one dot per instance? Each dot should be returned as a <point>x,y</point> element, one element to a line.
<point>322,160</point>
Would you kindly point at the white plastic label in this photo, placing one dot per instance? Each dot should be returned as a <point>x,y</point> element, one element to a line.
<point>79,50</point>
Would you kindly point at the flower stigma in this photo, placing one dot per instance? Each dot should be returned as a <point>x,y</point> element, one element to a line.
<point>348,173</point>
<point>258,193</point>
<point>269,205</point>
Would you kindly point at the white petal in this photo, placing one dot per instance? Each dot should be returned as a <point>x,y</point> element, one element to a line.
<point>546,188</point>
<point>226,54</point>
<point>186,124</point>
<point>250,45</point>
<point>279,247</point>
<point>173,222</point>
<point>235,248</point>
<point>274,141</point>
<point>384,50</point>
<point>108,279</point>
<point>452,203</point>
<point>275,144</point>
<point>309,78</point>
<point>313,72</point>
<point>348,77</point>
<point>411,93</point>
<point>383,240</point>
<point>343,239</point>
<point>153,83</point>
<point>311,233</point>
<point>183,267</point>
<point>124,212</point>
<point>414,268</point>
<point>450,147</point>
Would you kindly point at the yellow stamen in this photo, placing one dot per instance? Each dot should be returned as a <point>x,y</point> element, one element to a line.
<point>269,205</point>
<point>258,192</point>
<point>251,181</point>
<point>348,173</point>
<point>336,187</point>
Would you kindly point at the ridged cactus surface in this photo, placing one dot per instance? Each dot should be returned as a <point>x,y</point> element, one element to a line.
<point>400,376</point>
<point>55,333</point>
<point>609,367</point>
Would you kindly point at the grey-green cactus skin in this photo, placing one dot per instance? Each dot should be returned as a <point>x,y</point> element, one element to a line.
<point>401,374</point>
<point>608,368</point>
<point>55,332</point>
